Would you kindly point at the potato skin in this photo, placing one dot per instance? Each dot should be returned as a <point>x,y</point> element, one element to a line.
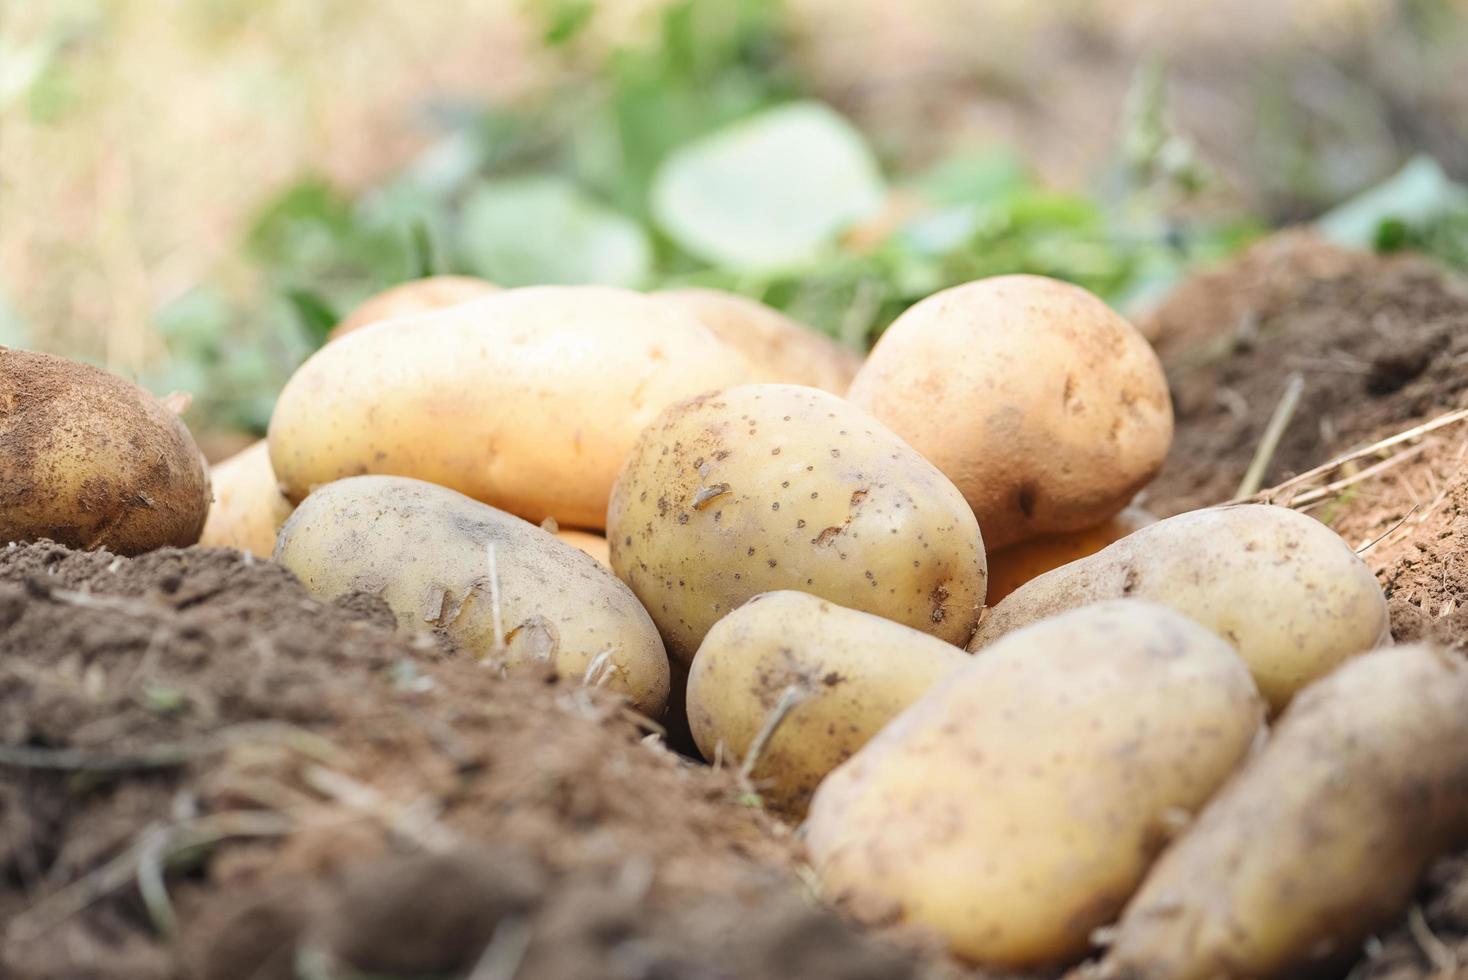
<point>852,671</point>
<point>588,542</point>
<point>1322,838</point>
<point>767,487</point>
<point>1011,567</point>
<point>1284,589</point>
<point>91,460</point>
<point>1016,805</point>
<point>1045,407</point>
<point>425,550</point>
<point>528,400</point>
<point>779,349</point>
<point>248,508</point>
<point>411,298</point>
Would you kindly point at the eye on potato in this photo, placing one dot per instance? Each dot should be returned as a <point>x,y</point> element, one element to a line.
<point>848,673</point>
<point>528,400</point>
<point>1014,808</point>
<point>1284,589</point>
<point>496,585</point>
<point>90,460</point>
<point>1046,408</point>
<point>410,298</point>
<point>1011,567</point>
<point>766,487</point>
<point>248,508</point>
<point>1321,838</point>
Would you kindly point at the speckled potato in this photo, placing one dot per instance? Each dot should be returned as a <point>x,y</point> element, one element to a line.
<point>248,508</point>
<point>767,487</point>
<point>588,542</point>
<point>90,460</point>
<point>1046,408</point>
<point>848,673</point>
<point>1321,839</point>
<point>1015,807</point>
<point>528,400</point>
<point>1284,589</point>
<point>414,297</point>
<point>778,348</point>
<point>427,551</point>
<point>1011,567</point>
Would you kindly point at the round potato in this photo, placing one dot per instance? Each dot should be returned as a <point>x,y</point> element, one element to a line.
<point>1284,589</point>
<point>90,460</point>
<point>1046,408</point>
<point>1011,567</point>
<point>248,508</point>
<point>528,400</point>
<point>825,677</point>
<point>778,348</point>
<point>494,584</point>
<point>1015,806</point>
<point>414,297</point>
<point>588,542</point>
<point>1321,839</point>
<point>767,487</point>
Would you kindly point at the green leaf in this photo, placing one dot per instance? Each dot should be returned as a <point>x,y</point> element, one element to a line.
<point>770,192</point>
<point>315,313</point>
<point>531,230</point>
<point>973,178</point>
<point>1413,196</point>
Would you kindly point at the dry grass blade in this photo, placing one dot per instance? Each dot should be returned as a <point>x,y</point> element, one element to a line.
<point>494,600</point>
<point>1308,497</point>
<point>789,698</point>
<point>169,754</point>
<point>1273,432</point>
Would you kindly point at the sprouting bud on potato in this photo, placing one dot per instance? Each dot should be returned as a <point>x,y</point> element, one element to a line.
<point>779,349</point>
<point>414,297</point>
<point>248,508</point>
<point>91,460</point>
<point>496,585</point>
<point>528,400</point>
<point>767,487</point>
<point>825,677</point>
<point>1011,567</point>
<point>1014,808</point>
<point>1321,839</point>
<point>1284,589</point>
<point>1045,407</point>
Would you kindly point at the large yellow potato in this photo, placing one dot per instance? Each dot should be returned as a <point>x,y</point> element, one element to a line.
<point>766,487</point>
<point>1284,589</point>
<point>248,508</point>
<point>414,297</point>
<point>1046,408</point>
<point>90,460</point>
<point>778,348</point>
<point>1015,806</point>
<point>843,673</point>
<point>1322,838</point>
<point>443,562</point>
<point>1011,567</point>
<point>528,400</point>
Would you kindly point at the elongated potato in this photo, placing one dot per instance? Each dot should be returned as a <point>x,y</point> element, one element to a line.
<point>248,508</point>
<point>1011,567</point>
<point>767,487</point>
<point>844,674</point>
<point>91,460</point>
<point>442,561</point>
<point>1322,838</point>
<point>1284,589</point>
<point>528,400</point>
<point>1014,808</point>
<point>414,297</point>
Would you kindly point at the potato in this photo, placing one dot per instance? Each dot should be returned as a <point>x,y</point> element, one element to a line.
<point>1011,567</point>
<point>90,460</point>
<point>413,297</point>
<point>1047,409</point>
<point>528,400</point>
<point>767,487</point>
<point>1015,806</point>
<point>248,508</point>
<point>1283,588</point>
<point>778,348</point>
<point>1321,838</point>
<point>848,674</point>
<point>443,561</point>
<point>592,544</point>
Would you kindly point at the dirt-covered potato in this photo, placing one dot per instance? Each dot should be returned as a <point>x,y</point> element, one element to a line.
<point>90,460</point>
<point>589,542</point>
<point>1321,838</point>
<point>1284,589</point>
<point>1011,567</point>
<point>767,487</point>
<point>496,585</point>
<point>830,676</point>
<point>1016,805</point>
<point>410,298</point>
<point>248,508</point>
<point>778,348</point>
<point>528,400</point>
<point>1046,408</point>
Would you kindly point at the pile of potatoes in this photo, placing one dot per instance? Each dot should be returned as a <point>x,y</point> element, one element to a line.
<point>910,599</point>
